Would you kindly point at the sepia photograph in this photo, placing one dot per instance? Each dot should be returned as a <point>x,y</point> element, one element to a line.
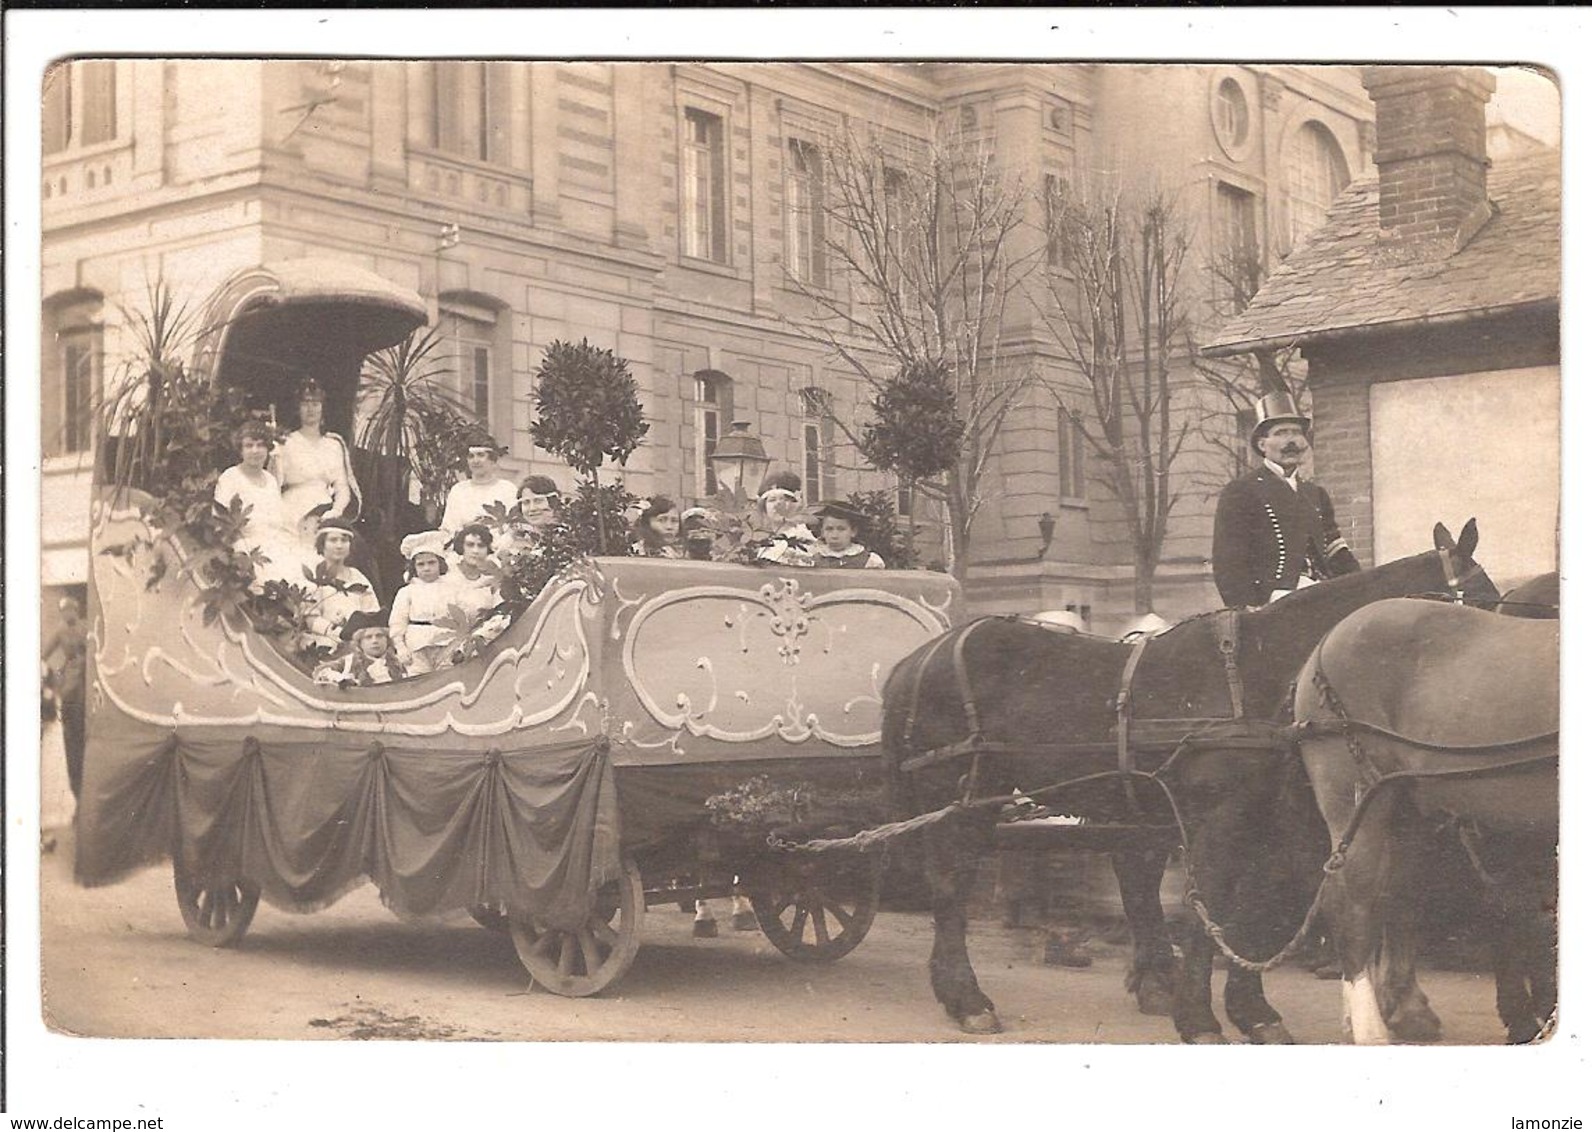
<point>724,557</point>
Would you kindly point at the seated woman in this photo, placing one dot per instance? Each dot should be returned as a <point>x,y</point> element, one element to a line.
<point>422,609</point>
<point>657,530</point>
<point>535,508</point>
<point>475,574</point>
<point>340,589</point>
<point>249,486</point>
<point>370,659</point>
<point>314,470</point>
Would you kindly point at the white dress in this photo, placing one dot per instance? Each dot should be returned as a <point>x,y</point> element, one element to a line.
<point>334,604</point>
<point>473,595</point>
<point>467,502</point>
<point>312,473</point>
<point>417,622</point>
<point>266,529</point>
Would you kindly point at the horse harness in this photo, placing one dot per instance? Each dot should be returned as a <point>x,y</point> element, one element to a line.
<point>1370,779</point>
<point>1173,735</point>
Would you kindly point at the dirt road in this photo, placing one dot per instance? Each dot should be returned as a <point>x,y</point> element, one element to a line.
<point>118,964</point>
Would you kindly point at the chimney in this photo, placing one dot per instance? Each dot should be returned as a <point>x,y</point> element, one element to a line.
<point>1431,152</point>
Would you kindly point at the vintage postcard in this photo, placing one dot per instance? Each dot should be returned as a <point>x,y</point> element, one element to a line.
<point>916,546</point>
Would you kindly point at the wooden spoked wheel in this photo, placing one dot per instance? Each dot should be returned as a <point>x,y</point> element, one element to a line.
<point>216,915</point>
<point>584,961</point>
<point>817,912</point>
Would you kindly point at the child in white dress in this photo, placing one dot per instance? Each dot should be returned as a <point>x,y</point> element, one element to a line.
<point>421,609</point>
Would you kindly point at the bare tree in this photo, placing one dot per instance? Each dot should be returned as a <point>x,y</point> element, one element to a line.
<point>1118,311</point>
<point>909,253</point>
<point>1235,383</point>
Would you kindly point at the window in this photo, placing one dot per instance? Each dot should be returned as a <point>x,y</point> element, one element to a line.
<point>99,101</point>
<point>71,376</point>
<point>58,108</point>
<point>1232,116</point>
<point>1317,173</point>
<point>713,405</point>
<point>1243,452</point>
<point>79,105</point>
<point>465,106</point>
<point>903,498</point>
<point>895,220</point>
<point>472,330</point>
<point>818,439</point>
<point>1238,251</point>
<point>804,227</point>
<point>1071,457</point>
<point>1055,203</point>
<point>702,221</point>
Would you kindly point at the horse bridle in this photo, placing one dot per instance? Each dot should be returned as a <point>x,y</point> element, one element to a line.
<point>1453,580</point>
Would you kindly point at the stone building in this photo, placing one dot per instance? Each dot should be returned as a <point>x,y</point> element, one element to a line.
<point>657,209</point>
<point>1427,307</point>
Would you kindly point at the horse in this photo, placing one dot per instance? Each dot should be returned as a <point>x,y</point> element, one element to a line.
<point>1536,597</point>
<point>1524,916</point>
<point>1002,704</point>
<point>1412,711</point>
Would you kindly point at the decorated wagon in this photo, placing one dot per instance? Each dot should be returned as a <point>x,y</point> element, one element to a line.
<point>556,783</point>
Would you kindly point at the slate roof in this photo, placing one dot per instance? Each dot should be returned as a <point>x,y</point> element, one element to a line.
<point>1342,278</point>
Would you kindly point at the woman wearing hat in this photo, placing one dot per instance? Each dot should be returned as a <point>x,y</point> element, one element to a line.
<point>340,589</point>
<point>422,610</point>
<point>1275,532</point>
<point>314,470</point>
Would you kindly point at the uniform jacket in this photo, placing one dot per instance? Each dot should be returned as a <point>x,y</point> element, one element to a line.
<point>1268,536</point>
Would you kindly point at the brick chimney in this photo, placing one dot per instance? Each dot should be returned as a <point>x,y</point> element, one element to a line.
<point>1431,153</point>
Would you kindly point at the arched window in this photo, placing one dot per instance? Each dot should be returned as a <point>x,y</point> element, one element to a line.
<point>713,403</point>
<point>71,371</point>
<point>1317,173</point>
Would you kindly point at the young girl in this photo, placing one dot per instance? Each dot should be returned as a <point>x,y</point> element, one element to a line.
<point>421,607</point>
<point>779,509</point>
<point>371,659</point>
<point>657,530</point>
<point>840,549</point>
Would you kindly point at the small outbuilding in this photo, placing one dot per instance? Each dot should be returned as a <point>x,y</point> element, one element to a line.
<point>1427,308</point>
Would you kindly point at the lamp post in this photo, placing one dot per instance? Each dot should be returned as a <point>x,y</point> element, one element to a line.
<point>739,461</point>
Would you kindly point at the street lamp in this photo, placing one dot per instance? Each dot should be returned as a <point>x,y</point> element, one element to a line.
<point>739,461</point>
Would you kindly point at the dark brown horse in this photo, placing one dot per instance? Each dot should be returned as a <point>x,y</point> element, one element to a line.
<point>1411,712</point>
<point>1003,704</point>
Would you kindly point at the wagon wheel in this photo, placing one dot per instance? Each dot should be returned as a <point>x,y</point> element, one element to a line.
<point>216,914</point>
<point>818,913</point>
<point>582,962</point>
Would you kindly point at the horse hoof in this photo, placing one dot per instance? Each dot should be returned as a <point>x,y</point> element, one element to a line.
<point>1270,1034</point>
<point>1206,1038</point>
<point>1416,1024</point>
<point>1154,994</point>
<point>984,1022</point>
